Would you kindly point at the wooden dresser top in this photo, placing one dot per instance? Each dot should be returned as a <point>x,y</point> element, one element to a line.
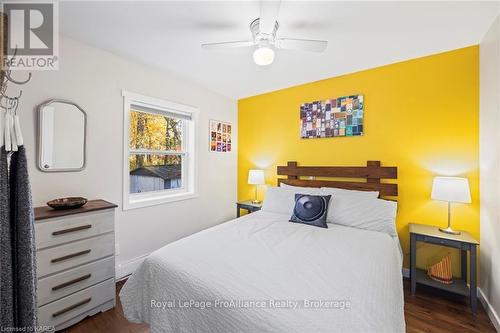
<point>45,212</point>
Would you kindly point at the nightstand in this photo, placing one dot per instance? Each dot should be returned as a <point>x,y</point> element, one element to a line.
<point>464,242</point>
<point>248,205</point>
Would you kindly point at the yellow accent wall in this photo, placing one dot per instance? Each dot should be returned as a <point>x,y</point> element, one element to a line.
<point>420,115</point>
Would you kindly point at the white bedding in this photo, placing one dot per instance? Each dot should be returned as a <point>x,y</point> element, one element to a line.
<point>263,258</point>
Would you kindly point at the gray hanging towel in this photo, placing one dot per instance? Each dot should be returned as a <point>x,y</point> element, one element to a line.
<point>6,267</point>
<point>22,215</point>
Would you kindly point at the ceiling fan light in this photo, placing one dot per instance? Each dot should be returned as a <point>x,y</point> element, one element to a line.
<point>263,56</point>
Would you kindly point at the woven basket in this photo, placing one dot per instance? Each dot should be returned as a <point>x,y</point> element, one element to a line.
<point>441,271</point>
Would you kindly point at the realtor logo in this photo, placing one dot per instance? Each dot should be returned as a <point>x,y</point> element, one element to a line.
<point>32,35</point>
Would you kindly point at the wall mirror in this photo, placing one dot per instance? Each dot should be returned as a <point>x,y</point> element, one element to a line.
<point>61,136</point>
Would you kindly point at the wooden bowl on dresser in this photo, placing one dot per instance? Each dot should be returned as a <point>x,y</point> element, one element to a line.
<point>67,203</point>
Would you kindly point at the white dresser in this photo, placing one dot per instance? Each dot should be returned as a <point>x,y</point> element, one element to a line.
<point>75,262</point>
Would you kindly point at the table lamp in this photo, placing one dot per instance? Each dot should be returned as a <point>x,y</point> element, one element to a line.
<point>450,189</point>
<point>256,177</point>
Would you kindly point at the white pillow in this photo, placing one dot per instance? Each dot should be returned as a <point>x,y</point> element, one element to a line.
<point>281,200</point>
<point>364,213</point>
<point>341,191</point>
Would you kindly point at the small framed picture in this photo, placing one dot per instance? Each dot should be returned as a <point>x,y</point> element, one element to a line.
<point>220,136</point>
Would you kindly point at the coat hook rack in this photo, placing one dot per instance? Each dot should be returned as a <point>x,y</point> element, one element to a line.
<point>10,79</point>
<point>10,102</point>
<point>11,137</point>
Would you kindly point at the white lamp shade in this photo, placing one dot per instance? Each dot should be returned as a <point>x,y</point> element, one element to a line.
<point>452,189</point>
<point>256,177</point>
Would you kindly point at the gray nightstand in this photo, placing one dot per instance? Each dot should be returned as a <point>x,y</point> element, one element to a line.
<point>464,242</point>
<point>248,205</point>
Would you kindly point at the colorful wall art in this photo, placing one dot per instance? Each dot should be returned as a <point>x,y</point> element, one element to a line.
<point>342,116</point>
<point>220,136</point>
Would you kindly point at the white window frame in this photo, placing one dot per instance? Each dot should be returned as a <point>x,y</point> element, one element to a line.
<point>189,154</point>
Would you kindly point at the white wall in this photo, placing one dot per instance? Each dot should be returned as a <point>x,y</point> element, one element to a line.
<point>94,79</point>
<point>489,280</point>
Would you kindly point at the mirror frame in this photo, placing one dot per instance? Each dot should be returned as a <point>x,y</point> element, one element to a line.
<point>39,136</point>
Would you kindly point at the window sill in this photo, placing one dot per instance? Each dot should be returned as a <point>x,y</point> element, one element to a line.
<point>157,200</point>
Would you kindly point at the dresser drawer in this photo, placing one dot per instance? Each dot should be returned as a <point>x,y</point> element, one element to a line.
<point>62,284</point>
<point>62,257</point>
<point>69,228</point>
<point>60,311</point>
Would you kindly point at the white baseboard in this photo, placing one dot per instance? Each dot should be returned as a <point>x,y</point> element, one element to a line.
<point>124,269</point>
<point>495,319</point>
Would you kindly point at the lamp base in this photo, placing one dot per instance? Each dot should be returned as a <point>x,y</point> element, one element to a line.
<point>449,231</point>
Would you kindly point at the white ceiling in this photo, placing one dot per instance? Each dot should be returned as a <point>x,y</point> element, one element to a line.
<point>361,35</point>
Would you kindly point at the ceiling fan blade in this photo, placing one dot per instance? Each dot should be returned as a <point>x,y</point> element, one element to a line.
<point>227,45</point>
<point>301,44</point>
<point>268,15</point>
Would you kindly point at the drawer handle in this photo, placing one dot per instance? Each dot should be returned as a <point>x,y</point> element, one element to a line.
<point>65,231</point>
<point>69,256</point>
<point>69,283</point>
<point>71,307</point>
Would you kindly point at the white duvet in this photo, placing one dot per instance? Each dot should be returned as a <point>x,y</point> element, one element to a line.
<point>260,273</point>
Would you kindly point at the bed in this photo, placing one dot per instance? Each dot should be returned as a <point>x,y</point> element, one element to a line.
<point>260,273</point>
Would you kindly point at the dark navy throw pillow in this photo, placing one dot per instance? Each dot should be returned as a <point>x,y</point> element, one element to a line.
<point>311,209</point>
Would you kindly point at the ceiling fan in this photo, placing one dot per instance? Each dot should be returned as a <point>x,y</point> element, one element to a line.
<point>264,39</point>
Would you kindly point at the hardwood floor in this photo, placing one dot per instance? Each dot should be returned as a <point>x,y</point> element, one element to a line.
<point>428,311</point>
<point>435,311</point>
<point>111,321</point>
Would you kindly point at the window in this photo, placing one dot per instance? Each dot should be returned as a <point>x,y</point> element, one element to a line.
<point>159,151</point>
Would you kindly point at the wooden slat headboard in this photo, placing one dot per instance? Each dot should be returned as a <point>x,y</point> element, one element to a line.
<point>373,172</point>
